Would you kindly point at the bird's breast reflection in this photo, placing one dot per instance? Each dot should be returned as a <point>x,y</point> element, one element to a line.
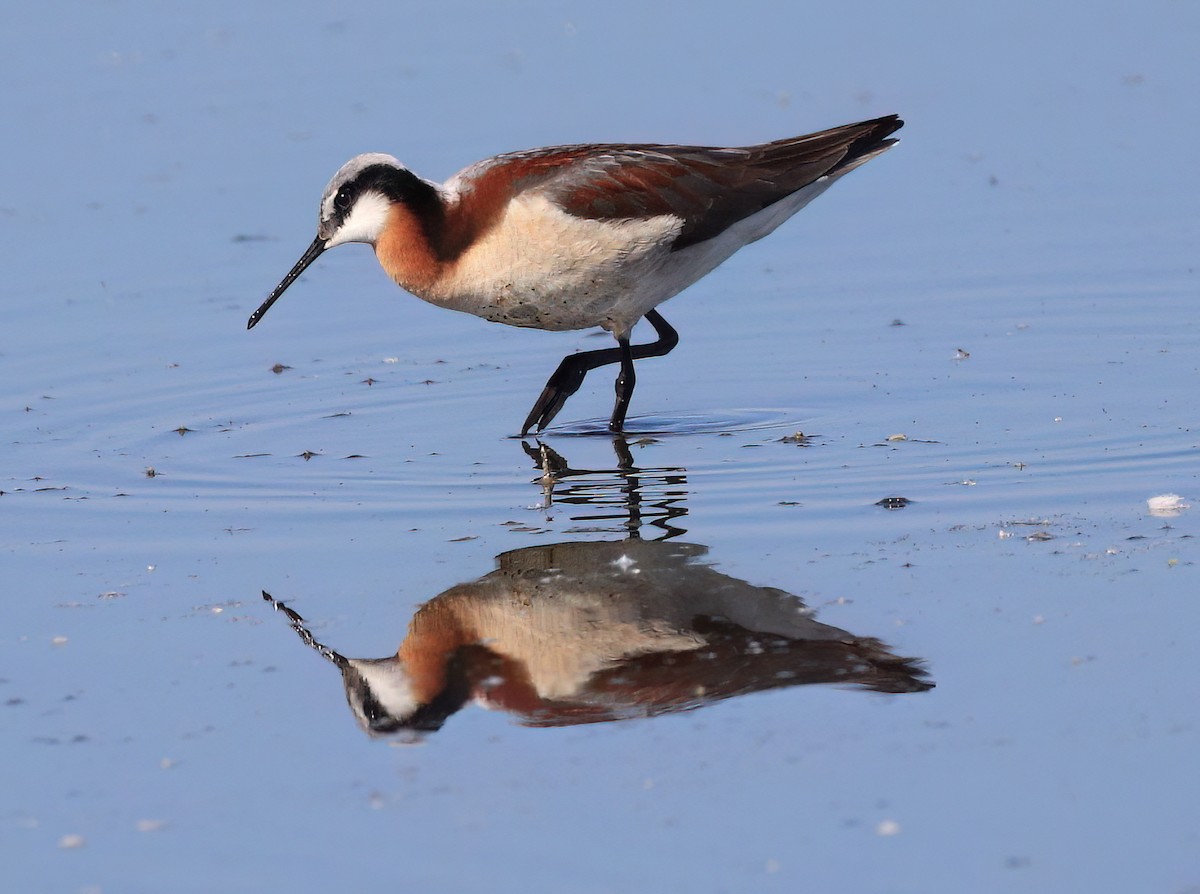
<point>588,632</point>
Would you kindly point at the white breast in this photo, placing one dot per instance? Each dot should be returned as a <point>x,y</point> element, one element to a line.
<point>543,268</point>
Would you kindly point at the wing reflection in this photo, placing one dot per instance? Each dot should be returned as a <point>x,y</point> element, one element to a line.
<point>572,633</point>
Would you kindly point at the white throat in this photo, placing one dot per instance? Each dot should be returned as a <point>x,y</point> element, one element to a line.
<point>365,222</point>
<point>389,684</point>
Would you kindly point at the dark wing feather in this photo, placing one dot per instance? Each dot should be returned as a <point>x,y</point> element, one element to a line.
<point>710,189</point>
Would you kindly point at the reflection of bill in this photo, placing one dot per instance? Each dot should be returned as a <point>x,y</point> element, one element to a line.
<point>589,632</point>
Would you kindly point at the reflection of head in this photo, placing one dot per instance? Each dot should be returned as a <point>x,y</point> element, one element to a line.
<point>575,633</point>
<point>379,690</point>
<point>381,697</point>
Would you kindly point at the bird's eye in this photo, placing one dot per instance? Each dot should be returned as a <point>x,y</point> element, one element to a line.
<point>342,200</point>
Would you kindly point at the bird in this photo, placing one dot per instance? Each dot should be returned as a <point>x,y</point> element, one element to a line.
<point>579,236</point>
<point>597,631</point>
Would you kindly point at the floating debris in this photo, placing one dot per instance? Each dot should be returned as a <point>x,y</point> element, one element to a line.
<point>1166,505</point>
<point>279,367</point>
<point>798,438</point>
<point>888,828</point>
<point>897,437</point>
<point>624,562</point>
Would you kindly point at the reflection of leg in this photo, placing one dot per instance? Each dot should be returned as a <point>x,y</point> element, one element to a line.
<point>571,372</point>
<point>624,454</point>
<point>614,495</point>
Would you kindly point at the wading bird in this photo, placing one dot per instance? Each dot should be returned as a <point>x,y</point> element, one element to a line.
<point>572,237</point>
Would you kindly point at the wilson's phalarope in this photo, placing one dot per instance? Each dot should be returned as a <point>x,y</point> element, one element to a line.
<point>571,237</point>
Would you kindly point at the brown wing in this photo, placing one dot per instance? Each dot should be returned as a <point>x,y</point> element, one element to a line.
<point>709,188</point>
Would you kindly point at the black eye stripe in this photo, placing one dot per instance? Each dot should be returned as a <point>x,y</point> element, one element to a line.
<point>390,183</point>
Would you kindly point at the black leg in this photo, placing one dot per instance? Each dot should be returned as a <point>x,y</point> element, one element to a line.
<point>570,373</point>
<point>625,382</point>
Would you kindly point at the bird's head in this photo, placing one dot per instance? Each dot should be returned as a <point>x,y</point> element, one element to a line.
<point>355,207</point>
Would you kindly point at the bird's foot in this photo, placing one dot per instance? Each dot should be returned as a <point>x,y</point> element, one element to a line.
<point>545,409</point>
<point>565,382</point>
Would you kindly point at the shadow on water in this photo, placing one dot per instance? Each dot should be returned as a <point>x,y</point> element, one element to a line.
<point>596,631</point>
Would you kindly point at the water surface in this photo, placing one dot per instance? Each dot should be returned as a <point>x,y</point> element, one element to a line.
<point>996,321</point>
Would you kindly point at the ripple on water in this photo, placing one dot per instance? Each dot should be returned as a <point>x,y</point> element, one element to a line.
<point>409,437</point>
<point>713,422</point>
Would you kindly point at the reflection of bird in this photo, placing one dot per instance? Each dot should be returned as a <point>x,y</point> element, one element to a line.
<point>586,632</point>
<point>570,237</point>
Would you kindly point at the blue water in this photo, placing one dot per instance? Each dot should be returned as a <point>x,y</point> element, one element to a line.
<point>165,730</point>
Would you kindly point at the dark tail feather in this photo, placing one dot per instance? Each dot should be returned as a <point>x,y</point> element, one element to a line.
<point>839,147</point>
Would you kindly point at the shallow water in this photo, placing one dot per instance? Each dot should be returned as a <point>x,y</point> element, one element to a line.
<point>996,321</point>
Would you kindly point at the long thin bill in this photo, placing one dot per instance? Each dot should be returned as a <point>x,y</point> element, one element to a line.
<point>305,634</point>
<point>310,255</point>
